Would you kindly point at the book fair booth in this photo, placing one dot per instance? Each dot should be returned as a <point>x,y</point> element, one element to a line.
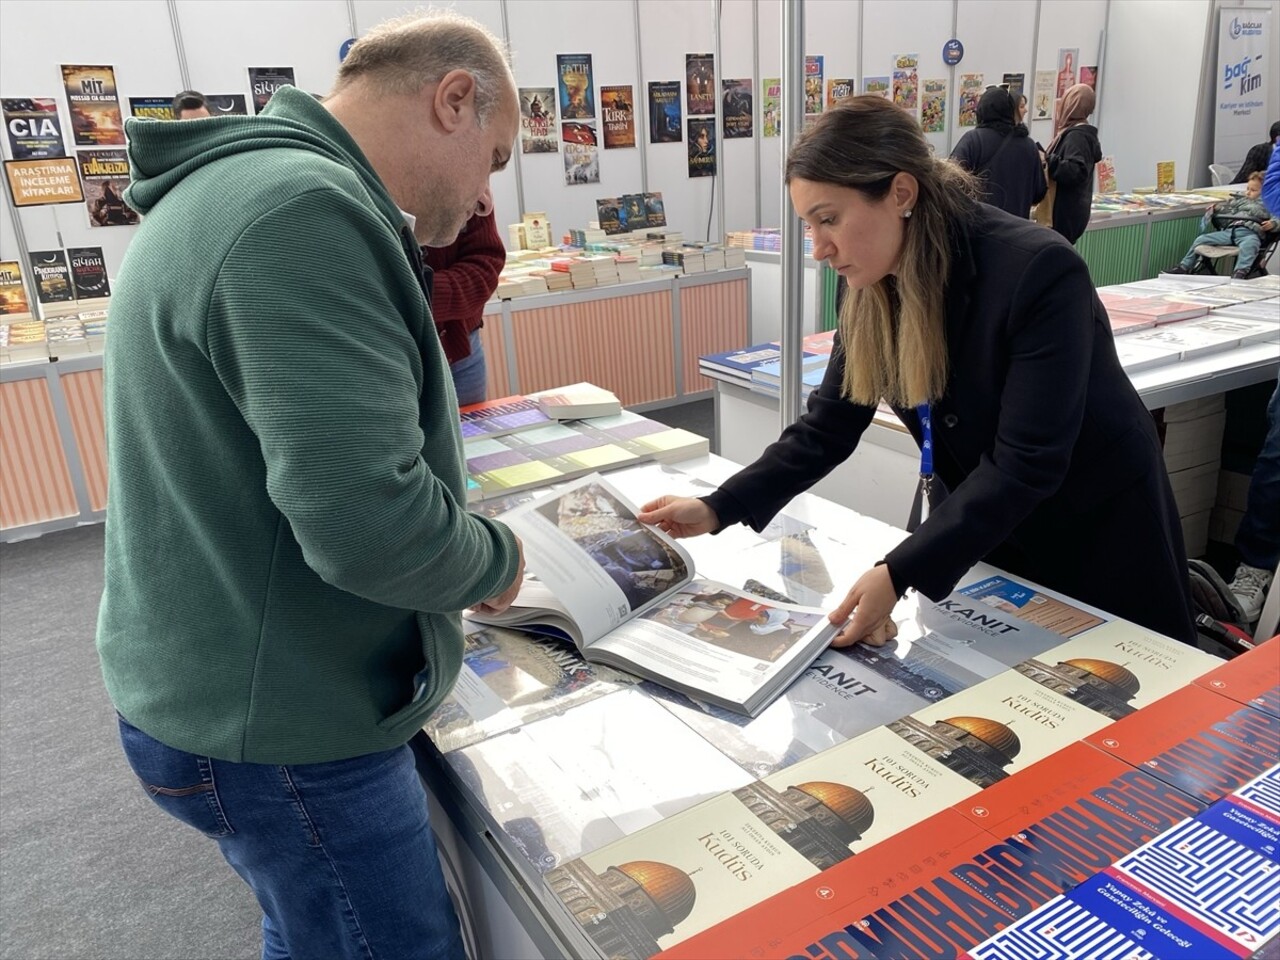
<point>1019,774</point>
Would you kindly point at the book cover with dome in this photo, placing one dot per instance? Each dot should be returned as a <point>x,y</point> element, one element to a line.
<point>659,886</point>
<point>838,803</point>
<point>998,728</point>
<point>1118,668</point>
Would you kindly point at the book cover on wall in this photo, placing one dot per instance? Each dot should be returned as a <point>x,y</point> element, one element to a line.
<point>1015,83</point>
<point>575,82</point>
<point>702,147</point>
<point>265,81</point>
<point>839,90</point>
<point>538,120</point>
<point>227,104</point>
<point>971,87</point>
<point>1106,170</point>
<point>1042,99</point>
<point>738,110</point>
<point>878,87</point>
<point>906,81</point>
<point>700,84</point>
<point>51,275</point>
<point>771,107</point>
<point>666,121</point>
<point>813,85</point>
<point>509,679</point>
<point>157,108</point>
<point>1165,177</point>
<point>655,210</point>
<point>43,180</point>
<point>13,292</point>
<point>834,700</point>
<point>1204,745</point>
<point>88,273</point>
<point>93,104</point>
<point>633,212</point>
<point>618,117</point>
<point>581,154</point>
<point>1068,59</point>
<point>659,886</point>
<point>1089,75</point>
<point>933,106</point>
<point>104,175</point>
<point>33,128</point>
<point>628,595</point>
<point>1118,668</point>
<point>998,728</point>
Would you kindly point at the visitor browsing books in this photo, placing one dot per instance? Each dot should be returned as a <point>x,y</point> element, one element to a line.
<point>628,596</point>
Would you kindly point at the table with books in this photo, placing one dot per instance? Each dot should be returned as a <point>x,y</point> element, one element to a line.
<point>1181,339</point>
<point>1018,774</point>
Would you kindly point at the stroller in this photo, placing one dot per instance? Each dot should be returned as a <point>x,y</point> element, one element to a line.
<point>1219,619</point>
<point>1208,255</point>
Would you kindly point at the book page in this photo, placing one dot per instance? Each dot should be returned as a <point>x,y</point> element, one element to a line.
<point>718,641</point>
<point>589,552</point>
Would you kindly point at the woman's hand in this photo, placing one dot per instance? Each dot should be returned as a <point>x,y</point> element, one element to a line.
<point>865,610</point>
<point>679,516</point>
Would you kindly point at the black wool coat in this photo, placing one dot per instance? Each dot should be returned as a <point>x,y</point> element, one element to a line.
<point>1053,464</point>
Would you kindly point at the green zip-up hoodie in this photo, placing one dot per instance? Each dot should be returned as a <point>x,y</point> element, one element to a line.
<point>287,543</point>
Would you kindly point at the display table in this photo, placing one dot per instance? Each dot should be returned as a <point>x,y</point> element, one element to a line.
<point>643,340</point>
<point>539,788</point>
<point>879,479</point>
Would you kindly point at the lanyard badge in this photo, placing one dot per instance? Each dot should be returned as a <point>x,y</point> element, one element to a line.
<point>926,459</point>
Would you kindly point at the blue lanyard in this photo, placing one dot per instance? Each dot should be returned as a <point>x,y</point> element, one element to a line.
<point>926,459</point>
<point>926,448</point>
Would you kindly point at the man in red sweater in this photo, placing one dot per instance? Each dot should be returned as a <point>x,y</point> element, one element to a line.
<point>465,274</point>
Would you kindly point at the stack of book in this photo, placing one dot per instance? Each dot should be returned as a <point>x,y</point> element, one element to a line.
<point>628,269</point>
<point>556,280</point>
<point>603,270</point>
<point>581,237</point>
<point>687,259</point>
<point>581,273</point>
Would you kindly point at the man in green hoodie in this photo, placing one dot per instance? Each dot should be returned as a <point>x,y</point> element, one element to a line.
<point>288,546</point>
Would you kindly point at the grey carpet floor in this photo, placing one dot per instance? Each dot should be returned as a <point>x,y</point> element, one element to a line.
<point>89,868</point>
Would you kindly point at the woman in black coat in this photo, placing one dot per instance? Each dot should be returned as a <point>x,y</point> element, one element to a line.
<point>1072,154</point>
<point>1001,155</point>
<point>991,325</point>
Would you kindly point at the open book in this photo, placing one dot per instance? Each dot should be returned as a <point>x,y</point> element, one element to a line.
<point>627,596</point>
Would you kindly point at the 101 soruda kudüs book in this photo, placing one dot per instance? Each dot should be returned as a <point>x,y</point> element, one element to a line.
<point>627,595</point>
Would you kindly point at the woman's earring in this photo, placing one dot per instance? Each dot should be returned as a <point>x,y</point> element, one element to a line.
<point>906,214</point>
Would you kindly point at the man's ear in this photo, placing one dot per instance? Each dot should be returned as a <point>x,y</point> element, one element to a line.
<point>454,99</point>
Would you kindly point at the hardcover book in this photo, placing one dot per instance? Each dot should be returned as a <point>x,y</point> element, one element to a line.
<point>509,679</point>
<point>997,728</point>
<point>577,401</point>
<point>627,595</point>
<point>52,276</point>
<point>1117,668</point>
<point>497,418</point>
<point>553,789</point>
<point>13,292</point>
<point>1203,744</point>
<point>88,273</point>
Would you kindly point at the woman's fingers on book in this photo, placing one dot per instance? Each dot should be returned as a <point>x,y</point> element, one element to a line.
<point>866,609</point>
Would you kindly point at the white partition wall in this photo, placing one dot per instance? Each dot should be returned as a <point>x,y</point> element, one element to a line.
<point>1157,60</point>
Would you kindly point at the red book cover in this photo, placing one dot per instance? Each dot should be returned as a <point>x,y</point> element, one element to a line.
<point>819,910</point>
<point>1195,740</point>
<point>1252,678</point>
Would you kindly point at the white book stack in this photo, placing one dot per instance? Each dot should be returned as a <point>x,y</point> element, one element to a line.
<point>1249,331</point>
<point>95,329</point>
<point>532,285</point>
<point>628,269</point>
<point>734,257</point>
<point>1268,311</point>
<point>1142,356</point>
<point>1192,451</point>
<point>556,281</point>
<point>1189,341</point>
<point>604,270</point>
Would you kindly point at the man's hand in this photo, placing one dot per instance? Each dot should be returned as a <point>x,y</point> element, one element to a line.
<point>503,600</point>
<point>679,516</point>
<point>870,602</point>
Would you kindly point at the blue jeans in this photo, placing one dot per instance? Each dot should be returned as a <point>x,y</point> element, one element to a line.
<point>1244,238</point>
<point>339,855</point>
<point>469,374</point>
<point>1258,538</point>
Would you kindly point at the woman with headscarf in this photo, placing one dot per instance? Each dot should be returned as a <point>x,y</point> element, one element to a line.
<point>1070,159</point>
<point>1001,155</point>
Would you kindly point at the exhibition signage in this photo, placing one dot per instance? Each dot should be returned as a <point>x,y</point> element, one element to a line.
<point>1242,114</point>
